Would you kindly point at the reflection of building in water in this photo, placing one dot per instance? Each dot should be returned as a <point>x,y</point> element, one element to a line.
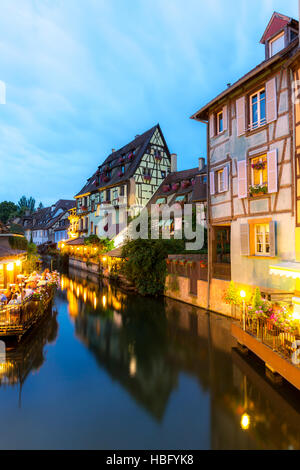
<point>28,355</point>
<point>146,345</point>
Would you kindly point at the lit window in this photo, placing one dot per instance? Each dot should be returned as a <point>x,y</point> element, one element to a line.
<point>180,198</point>
<point>221,181</point>
<point>262,239</point>
<point>277,44</point>
<point>220,124</point>
<point>258,109</point>
<point>259,166</point>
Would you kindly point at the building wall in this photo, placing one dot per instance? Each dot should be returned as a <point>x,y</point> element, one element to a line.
<point>227,150</point>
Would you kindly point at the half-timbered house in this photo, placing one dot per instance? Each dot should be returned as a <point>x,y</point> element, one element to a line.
<point>254,199</point>
<point>126,179</point>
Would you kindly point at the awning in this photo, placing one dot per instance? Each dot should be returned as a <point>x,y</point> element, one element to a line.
<point>286,269</point>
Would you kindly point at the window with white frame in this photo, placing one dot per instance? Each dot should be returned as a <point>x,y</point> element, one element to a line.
<point>262,239</point>
<point>220,122</point>
<point>258,109</point>
<point>276,44</point>
<point>259,169</point>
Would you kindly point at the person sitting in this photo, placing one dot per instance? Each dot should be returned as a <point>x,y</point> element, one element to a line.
<point>14,300</point>
<point>8,294</point>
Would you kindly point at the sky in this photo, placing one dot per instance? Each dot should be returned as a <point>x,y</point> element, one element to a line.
<point>85,76</point>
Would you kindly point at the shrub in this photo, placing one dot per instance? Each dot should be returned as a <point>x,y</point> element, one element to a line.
<point>145,264</point>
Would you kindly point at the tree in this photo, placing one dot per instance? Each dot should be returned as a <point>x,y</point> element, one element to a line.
<point>40,206</point>
<point>25,205</point>
<point>145,264</point>
<point>7,210</point>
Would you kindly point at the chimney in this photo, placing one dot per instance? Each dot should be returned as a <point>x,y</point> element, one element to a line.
<point>174,161</point>
<point>202,161</point>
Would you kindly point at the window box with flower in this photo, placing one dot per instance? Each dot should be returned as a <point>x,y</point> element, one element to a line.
<point>258,190</point>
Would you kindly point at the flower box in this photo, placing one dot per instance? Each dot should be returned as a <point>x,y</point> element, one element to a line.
<point>166,188</point>
<point>175,186</point>
<point>258,190</point>
<point>120,174</point>
<point>147,177</point>
<point>185,184</point>
<point>130,156</point>
<point>106,179</point>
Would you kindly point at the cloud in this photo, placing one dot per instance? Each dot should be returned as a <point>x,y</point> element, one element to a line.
<point>85,77</point>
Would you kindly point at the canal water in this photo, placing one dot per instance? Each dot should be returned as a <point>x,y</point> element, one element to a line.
<point>107,370</point>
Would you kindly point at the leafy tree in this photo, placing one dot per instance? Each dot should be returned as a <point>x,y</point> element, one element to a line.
<point>41,206</point>
<point>31,264</point>
<point>103,244</point>
<point>145,264</point>
<point>7,210</point>
<point>25,204</point>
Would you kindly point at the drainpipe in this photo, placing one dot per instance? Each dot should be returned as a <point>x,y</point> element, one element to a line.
<point>209,266</point>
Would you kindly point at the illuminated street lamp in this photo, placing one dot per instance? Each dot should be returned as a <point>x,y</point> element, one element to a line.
<point>245,422</point>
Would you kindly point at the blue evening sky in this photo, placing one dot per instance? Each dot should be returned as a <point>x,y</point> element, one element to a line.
<point>86,76</point>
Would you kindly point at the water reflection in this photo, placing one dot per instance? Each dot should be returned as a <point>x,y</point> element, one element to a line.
<point>21,359</point>
<point>148,345</point>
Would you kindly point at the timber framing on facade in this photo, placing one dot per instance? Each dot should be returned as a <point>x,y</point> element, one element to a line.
<point>254,171</point>
<point>126,179</point>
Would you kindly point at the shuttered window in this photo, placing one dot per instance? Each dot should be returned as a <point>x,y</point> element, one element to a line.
<point>212,182</point>
<point>258,239</point>
<point>258,109</point>
<point>272,171</point>
<point>242,179</point>
<point>245,239</point>
<point>212,126</point>
<point>225,118</point>
<point>240,116</point>
<point>271,103</point>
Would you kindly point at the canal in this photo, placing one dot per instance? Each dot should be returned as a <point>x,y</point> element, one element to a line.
<point>107,370</point>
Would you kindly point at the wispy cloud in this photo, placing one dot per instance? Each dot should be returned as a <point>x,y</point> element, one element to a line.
<point>85,76</point>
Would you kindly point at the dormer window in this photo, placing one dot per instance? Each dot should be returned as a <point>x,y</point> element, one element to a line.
<point>276,44</point>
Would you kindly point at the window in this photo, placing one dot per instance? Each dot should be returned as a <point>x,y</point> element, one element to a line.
<point>108,194</point>
<point>259,166</point>
<point>123,169</point>
<point>220,123</point>
<point>161,200</point>
<point>221,181</point>
<point>122,191</point>
<point>262,239</point>
<point>163,174</point>
<point>180,198</point>
<point>258,109</point>
<point>277,44</point>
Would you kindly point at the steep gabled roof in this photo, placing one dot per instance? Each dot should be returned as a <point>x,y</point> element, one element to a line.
<point>139,145</point>
<point>178,177</point>
<point>276,24</point>
<point>45,217</point>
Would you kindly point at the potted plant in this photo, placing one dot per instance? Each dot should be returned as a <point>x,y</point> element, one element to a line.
<point>258,190</point>
<point>259,165</point>
<point>166,188</point>
<point>175,186</point>
<point>185,184</point>
<point>147,177</point>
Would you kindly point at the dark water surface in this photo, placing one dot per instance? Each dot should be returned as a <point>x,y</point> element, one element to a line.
<point>117,371</point>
